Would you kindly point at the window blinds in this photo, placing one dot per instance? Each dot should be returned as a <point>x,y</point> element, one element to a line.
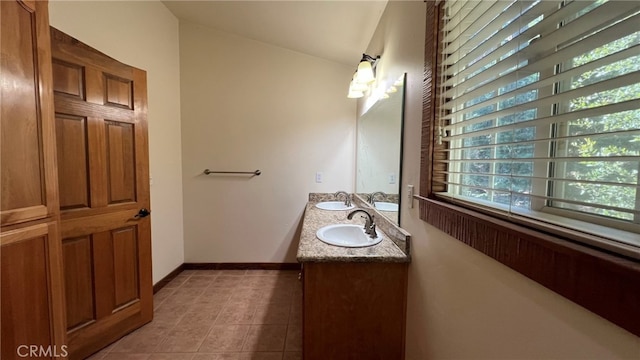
<point>539,108</point>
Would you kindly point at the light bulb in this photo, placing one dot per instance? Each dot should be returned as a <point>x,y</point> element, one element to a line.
<point>355,94</point>
<point>356,86</point>
<point>364,75</point>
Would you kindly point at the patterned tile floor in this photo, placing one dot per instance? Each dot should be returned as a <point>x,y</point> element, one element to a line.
<point>220,315</point>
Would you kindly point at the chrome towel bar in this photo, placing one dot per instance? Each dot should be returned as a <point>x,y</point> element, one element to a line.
<point>254,173</point>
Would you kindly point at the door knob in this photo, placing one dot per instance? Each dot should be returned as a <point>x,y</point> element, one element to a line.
<point>142,213</point>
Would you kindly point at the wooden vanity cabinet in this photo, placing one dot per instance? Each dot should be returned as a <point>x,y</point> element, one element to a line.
<point>354,310</point>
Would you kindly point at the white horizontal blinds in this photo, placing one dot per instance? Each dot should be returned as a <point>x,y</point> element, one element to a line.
<point>541,105</point>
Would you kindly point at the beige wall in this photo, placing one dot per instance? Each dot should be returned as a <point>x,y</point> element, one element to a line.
<point>143,34</point>
<point>247,105</point>
<point>461,303</point>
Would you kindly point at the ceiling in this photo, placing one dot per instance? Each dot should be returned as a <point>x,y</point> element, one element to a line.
<point>335,30</point>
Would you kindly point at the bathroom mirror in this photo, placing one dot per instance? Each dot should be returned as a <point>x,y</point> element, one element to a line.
<point>379,152</point>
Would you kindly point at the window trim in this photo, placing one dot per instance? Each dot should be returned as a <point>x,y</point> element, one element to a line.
<point>603,282</point>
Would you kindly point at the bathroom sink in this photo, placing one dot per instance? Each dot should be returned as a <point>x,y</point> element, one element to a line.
<point>346,235</point>
<point>385,206</point>
<point>334,205</point>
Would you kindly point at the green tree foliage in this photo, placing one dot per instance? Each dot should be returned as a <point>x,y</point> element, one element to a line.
<point>604,136</point>
<point>598,180</point>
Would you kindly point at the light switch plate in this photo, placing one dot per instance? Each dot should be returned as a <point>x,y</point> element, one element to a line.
<point>410,195</point>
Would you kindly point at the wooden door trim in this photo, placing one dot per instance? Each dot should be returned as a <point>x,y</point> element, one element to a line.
<point>69,49</point>
<point>56,286</point>
<point>142,152</point>
<point>71,214</point>
<point>71,106</point>
<point>17,216</point>
<point>80,226</point>
<point>47,109</point>
<point>17,235</point>
<point>130,316</point>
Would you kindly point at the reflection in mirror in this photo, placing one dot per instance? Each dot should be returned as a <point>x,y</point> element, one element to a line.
<point>379,153</point>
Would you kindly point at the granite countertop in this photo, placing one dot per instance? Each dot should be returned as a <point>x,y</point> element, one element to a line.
<point>311,249</point>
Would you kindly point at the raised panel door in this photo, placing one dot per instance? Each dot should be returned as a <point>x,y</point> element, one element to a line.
<point>100,107</point>
<point>31,298</point>
<point>27,141</point>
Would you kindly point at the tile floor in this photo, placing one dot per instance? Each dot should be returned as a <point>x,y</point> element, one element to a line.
<point>220,315</point>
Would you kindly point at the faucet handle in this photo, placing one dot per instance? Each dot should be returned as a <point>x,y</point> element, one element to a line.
<point>368,223</point>
<point>372,231</point>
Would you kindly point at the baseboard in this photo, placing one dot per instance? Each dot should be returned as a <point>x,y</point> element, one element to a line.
<point>165,280</point>
<point>241,266</point>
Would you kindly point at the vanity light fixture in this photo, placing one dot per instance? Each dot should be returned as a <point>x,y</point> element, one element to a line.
<point>357,86</point>
<point>363,77</point>
<point>365,74</point>
<point>355,94</point>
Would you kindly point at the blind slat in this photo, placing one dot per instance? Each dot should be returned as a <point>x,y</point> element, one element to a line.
<point>552,119</point>
<point>549,198</point>
<point>536,85</point>
<point>540,49</point>
<point>547,101</point>
<point>500,12</point>
<point>478,44</point>
<point>461,13</point>
<point>555,139</point>
<point>556,159</point>
<point>580,181</point>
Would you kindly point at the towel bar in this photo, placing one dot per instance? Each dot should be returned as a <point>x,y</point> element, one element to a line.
<point>255,173</point>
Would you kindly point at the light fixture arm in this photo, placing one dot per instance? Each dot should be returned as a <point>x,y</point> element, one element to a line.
<point>369,58</point>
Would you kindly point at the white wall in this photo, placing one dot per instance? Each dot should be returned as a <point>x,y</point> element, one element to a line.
<point>143,34</point>
<point>461,303</point>
<point>248,105</point>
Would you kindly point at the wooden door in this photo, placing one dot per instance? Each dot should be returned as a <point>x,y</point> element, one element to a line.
<point>101,127</point>
<point>28,166</point>
<point>32,303</point>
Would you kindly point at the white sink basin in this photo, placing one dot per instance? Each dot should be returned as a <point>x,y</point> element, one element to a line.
<point>385,206</point>
<point>334,205</point>
<point>346,235</point>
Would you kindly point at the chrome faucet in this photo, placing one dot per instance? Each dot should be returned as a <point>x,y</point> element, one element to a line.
<point>369,224</point>
<point>347,198</point>
<point>373,195</point>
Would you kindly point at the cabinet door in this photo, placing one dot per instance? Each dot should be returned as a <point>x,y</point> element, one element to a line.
<point>31,294</point>
<point>27,145</point>
<point>354,310</point>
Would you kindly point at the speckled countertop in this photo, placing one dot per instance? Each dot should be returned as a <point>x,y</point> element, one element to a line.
<point>311,249</point>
